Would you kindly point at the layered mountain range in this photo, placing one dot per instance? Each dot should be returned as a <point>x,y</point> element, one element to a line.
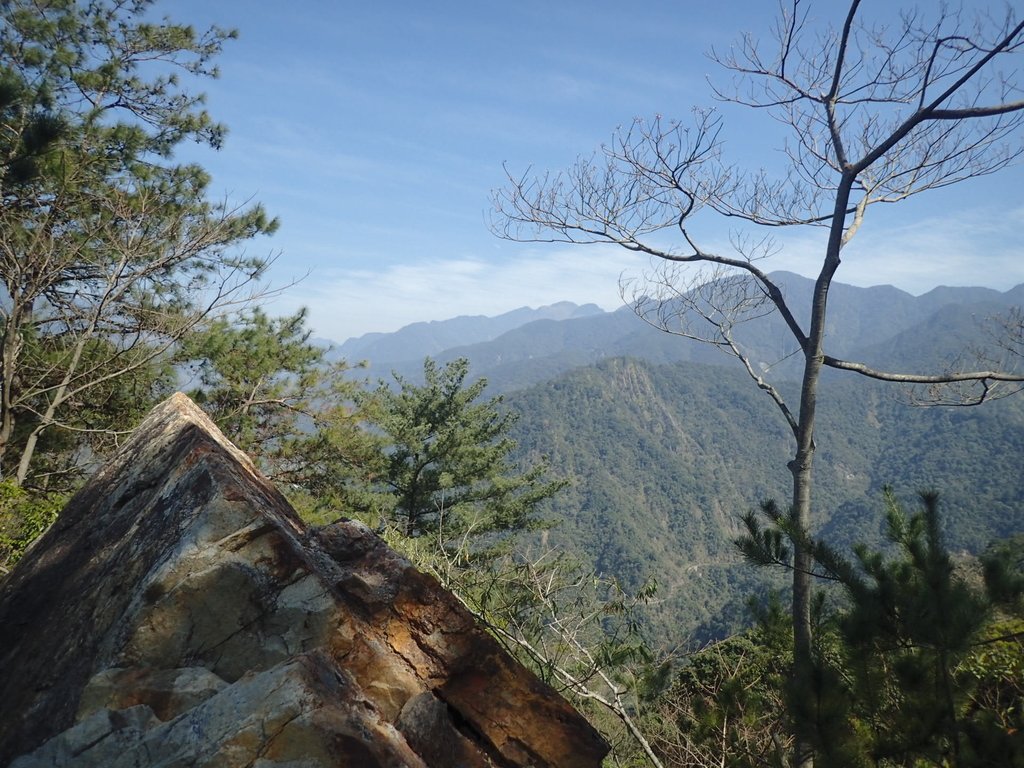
<point>667,441</point>
<point>881,325</point>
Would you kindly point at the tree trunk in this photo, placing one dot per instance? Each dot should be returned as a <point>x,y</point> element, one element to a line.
<point>801,468</point>
<point>10,347</point>
<point>803,660</point>
<point>6,411</point>
<point>57,398</point>
<point>28,452</point>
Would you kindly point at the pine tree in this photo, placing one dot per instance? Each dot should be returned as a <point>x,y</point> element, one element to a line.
<point>276,395</point>
<point>110,252</point>
<point>445,470</point>
<point>917,666</point>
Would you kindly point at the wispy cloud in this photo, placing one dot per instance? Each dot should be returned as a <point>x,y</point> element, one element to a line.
<point>376,136</point>
<point>979,247</point>
<point>916,257</point>
<point>346,303</point>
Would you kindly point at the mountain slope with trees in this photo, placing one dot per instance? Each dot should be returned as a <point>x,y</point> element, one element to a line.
<point>874,113</point>
<point>663,461</point>
<point>666,449</point>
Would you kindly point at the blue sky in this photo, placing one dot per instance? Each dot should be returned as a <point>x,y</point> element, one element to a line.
<point>376,132</point>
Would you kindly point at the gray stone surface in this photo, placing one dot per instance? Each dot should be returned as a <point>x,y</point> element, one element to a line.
<point>179,613</point>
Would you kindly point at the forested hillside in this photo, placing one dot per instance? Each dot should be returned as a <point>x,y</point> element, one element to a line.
<point>667,442</point>
<point>622,453</point>
<point>663,460</point>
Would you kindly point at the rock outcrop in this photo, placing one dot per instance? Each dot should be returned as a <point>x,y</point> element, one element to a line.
<point>179,613</point>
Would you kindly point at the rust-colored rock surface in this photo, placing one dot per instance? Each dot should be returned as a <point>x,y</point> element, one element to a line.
<point>180,614</point>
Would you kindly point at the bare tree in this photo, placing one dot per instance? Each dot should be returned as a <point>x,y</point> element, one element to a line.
<point>876,113</point>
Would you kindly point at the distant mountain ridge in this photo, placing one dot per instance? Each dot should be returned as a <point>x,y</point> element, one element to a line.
<point>880,325</point>
<point>666,441</point>
<point>419,340</point>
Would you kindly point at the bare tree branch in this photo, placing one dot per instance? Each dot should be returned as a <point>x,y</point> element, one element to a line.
<point>876,114</point>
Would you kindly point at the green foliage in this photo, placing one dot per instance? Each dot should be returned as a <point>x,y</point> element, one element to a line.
<point>448,497</point>
<point>913,632</point>
<point>64,59</point>
<point>916,667</point>
<point>97,418</point>
<point>276,397</point>
<point>445,470</point>
<point>110,252</point>
<point>257,377</point>
<point>1003,564</point>
<point>992,677</point>
<point>24,516</point>
<point>726,704</point>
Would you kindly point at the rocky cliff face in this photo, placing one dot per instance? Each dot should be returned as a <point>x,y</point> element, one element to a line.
<point>179,613</point>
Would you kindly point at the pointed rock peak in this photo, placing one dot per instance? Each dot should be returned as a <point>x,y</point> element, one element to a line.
<point>167,420</point>
<point>179,612</point>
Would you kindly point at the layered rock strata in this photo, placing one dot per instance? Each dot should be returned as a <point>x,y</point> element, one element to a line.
<point>180,614</point>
